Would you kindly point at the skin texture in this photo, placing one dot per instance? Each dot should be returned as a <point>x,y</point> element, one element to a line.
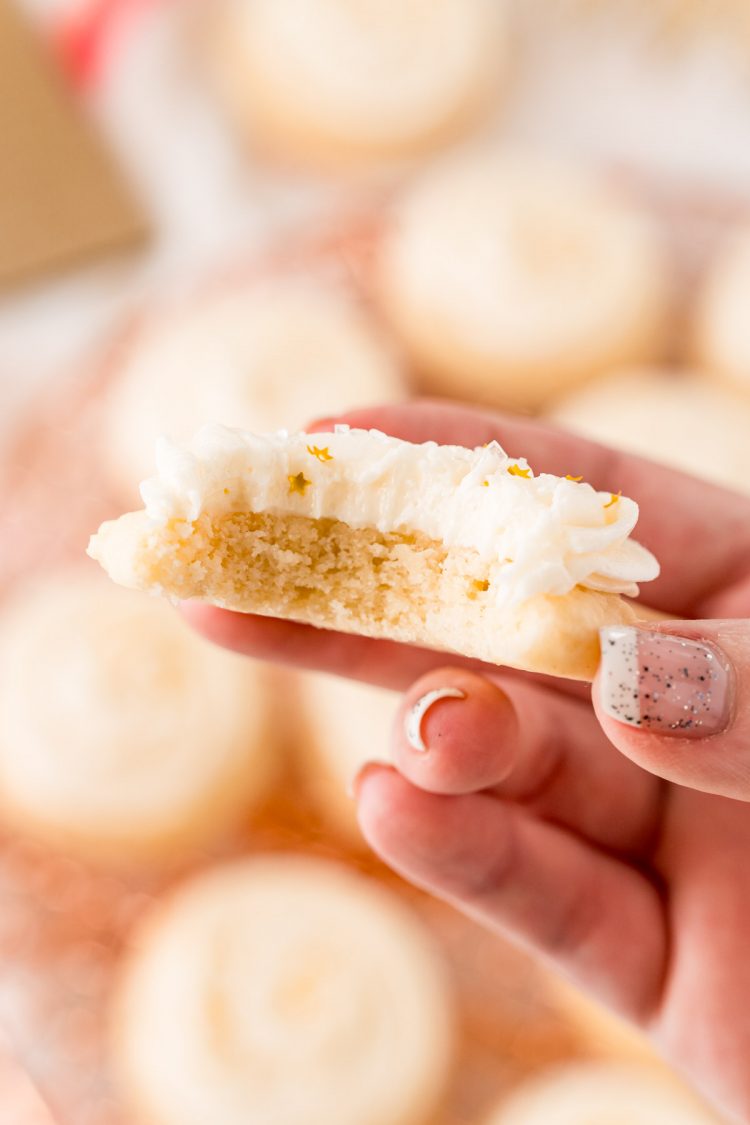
<point>618,855</point>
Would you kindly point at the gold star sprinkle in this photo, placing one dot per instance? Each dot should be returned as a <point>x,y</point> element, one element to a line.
<point>574,479</point>
<point>517,471</point>
<point>485,484</point>
<point>298,482</point>
<point>322,454</point>
<point>613,498</point>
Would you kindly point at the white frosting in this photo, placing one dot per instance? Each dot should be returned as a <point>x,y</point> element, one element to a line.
<point>347,724</point>
<point>537,535</point>
<point>288,991</point>
<point>678,418</point>
<point>373,70</point>
<point>522,259</point>
<point>602,1093</point>
<point>107,707</point>
<point>257,356</point>
<point>724,324</point>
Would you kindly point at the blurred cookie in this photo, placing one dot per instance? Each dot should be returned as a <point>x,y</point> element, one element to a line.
<point>123,736</point>
<point>602,1093</point>
<point>332,82</point>
<point>679,419</point>
<point>601,1031</point>
<point>344,725</point>
<point>263,357</point>
<point>722,327</point>
<point>511,278</point>
<point>283,989</point>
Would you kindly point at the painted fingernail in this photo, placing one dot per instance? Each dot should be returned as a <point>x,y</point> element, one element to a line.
<point>416,714</point>
<point>664,683</point>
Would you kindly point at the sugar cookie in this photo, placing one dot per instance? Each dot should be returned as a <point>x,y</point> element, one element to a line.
<point>344,725</point>
<point>607,1093</point>
<point>123,737</point>
<point>334,82</point>
<point>601,1030</point>
<point>511,278</point>
<point>456,549</point>
<point>283,989</point>
<point>258,357</point>
<point>722,327</point>
<point>680,419</point>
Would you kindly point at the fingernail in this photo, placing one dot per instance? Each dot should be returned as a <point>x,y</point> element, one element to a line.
<point>663,683</point>
<point>416,714</point>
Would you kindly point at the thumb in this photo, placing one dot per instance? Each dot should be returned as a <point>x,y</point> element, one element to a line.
<point>675,698</point>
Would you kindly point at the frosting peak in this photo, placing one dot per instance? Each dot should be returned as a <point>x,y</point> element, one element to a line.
<point>537,534</point>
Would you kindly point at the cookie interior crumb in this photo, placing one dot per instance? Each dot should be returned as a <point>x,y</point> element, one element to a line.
<point>399,585</point>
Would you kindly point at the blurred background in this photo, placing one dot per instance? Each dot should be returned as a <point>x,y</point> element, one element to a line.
<point>255,212</point>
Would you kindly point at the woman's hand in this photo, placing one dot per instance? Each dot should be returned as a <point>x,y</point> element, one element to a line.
<point>613,841</point>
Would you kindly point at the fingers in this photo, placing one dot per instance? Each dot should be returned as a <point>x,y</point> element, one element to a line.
<point>699,532</point>
<point>676,700</point>
<point>383,663</point>
<point>458,732</point>
<point>599,920</point>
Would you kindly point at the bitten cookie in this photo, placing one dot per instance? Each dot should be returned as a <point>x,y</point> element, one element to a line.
<point>258,356</point>
<point>334,83</point>
<point>283,989</point>
<point>123,737</point>
<point>455,549</point>
<point>510,278</point>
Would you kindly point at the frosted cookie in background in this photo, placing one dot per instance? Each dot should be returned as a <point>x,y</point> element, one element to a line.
<point>604,1093</point>
<point>678,418</point>
<point>601,1031</point>
<point>722,320</point>
<point>262,356</point>
<point>510,278</point>
<point>287,989</point>
<point>343,725</point>
<point>341,83</point>
<point>124,737</point>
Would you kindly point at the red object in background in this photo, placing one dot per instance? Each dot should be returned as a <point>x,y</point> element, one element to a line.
<point>81,38</point>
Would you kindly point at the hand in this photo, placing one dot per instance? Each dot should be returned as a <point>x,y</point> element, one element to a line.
<point>550,821</point>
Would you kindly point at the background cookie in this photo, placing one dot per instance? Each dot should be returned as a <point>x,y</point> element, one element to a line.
<point>722,324</point>
<point>345,724</point>
<point>332,82</point>
<point>615,1093</point>
<point>123,736</point>
<point>511,277</point>
<point>282,988</point>
<point>678,418</point>
<point>262,356</point>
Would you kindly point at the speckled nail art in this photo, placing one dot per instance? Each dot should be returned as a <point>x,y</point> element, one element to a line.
<point>664,683</point>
